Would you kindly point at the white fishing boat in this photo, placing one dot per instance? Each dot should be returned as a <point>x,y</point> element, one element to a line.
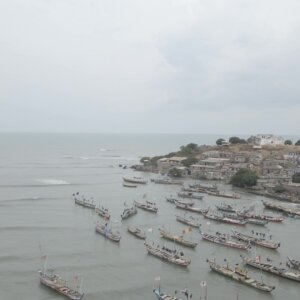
<point>128,212</point>
<point>88,203</point>
<point>135,179</point>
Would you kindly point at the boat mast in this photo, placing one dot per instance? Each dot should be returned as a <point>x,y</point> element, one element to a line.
<point>204,284</point>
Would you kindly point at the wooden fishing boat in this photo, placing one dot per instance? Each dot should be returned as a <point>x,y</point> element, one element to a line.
<point>288,211</point>
<point>172,256</point>
<point>189,195</point>
<point>102,212</point>
<point>241,276</point>
<point>226,207</point>
<point>129,185</point>
<point>177,239</point>
<point>268,218</point>
<point>223,195</point>
<point>135,179</point>
<point>128,212</point>
<point>136,232</point>
<point>162,296</point>
<point>281,272</point>
<point>190,220</point>
<point>166,181</point>
<point>223,240</point>
<point>190,208</point>
<point>225,219</point>
<point>190,190</point>
<point>83,201</point>
<point>294,263</point>
<point>256,222</point>
<point>149,206</point>
<point>173,200</point>
<point>207,187</point>
<point>108,233</point>
<point>253,240</point>
<point>56,283</point>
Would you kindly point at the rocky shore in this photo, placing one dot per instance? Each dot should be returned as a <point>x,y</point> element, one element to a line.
<point>277,167</point>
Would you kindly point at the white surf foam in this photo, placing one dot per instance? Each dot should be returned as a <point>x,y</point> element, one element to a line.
<point>53,181</point>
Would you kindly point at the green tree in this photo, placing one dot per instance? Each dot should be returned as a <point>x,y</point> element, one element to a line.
<point>297,143</point>
<point>192,146</point>
<point>189,161</point>
<point>174,172</point>
<point>219,141</point>
<point>188,150</point>
<point>279,189</point>
<point>296,178</point>
<point>237,140</point>
<point>244,178</point>
<point>288,142</point>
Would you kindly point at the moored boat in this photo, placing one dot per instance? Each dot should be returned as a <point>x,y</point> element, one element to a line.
<point>162,296</point>
<point>177,239</point>
<point>253,240</point>
<point>257,222</point>
<point>102,212</point>
<point>190,195</point>
<point>190,220</point>
<point>166,180</point>
<point>135,179</point>
<point>223,240</point>
<point>225,219</point>
<point>241,276</point>
<point>281,272</point>
<point>56,283</point>
<point>136,232</point>
<point>262,217</point>
<point>88,203</point>
<point>205,187</point>
<point>190,208</point>
<point>226,207</point>
<point>128,212</point>
<point>291,212</point>
<point>172,256</point>
<point>173,200</point>
<point>108,232</point>
<point>294,263</point>
<point>223,195</point>
<point>149,206</point>
<point>130,185</point>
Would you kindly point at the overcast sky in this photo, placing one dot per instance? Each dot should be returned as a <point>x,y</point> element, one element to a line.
<point>171,66</point>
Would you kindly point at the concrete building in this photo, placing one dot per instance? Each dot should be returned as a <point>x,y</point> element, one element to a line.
<point>268,140</point>
<point>167,163</point>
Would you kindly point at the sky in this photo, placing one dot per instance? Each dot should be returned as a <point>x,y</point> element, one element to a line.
<point>159,66</point>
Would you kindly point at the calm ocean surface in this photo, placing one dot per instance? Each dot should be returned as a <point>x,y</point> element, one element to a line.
<point>38,175</point>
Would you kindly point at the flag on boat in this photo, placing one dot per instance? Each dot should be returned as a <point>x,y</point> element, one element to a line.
<point>185,292</point>
<point>203,283</point>
<point>75,279</point>
<point>187,230</point>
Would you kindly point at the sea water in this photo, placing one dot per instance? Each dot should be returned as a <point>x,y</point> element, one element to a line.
<point>38,217</point>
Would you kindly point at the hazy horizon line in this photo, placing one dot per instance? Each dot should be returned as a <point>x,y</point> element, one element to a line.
<point>140,133</point>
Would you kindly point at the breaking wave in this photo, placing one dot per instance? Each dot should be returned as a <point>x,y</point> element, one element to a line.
<point>53,182</point>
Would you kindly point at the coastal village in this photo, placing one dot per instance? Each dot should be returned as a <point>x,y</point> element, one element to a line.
<point>275,161</point>
<point>266,165</point>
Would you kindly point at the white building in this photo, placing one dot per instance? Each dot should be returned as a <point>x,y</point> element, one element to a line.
<point>268,139</point>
